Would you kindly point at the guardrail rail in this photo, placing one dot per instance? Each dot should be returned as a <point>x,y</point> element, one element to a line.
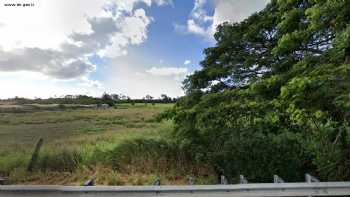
<point>238,190</point>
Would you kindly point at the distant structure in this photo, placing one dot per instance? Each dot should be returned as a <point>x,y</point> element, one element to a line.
<point>102,106</point>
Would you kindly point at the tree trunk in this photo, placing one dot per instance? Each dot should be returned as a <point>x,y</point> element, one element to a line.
<point>347,55</point>
<point>35,155</point>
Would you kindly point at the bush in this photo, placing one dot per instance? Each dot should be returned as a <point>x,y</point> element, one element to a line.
<point>149,155</point>
<point>258,157</point>
<point>61,106</point>
<point>238,136</point>
<point>65,160</point>
<point>8,163</point>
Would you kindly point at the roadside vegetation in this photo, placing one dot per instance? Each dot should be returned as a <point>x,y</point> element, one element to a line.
<point>124,145</point>
<point>272,96</point>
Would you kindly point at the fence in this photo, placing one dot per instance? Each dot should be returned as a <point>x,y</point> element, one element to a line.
<point>262,189</point>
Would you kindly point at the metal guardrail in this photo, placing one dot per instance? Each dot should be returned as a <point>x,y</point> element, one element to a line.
<point>239,190</point>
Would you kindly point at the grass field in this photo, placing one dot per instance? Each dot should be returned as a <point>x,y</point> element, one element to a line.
<point>120,146</point>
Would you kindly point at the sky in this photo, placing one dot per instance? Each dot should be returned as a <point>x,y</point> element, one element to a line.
<point>52,48</point>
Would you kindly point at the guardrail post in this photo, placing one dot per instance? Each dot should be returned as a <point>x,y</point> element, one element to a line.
<point>191,180</point>
<point>277,179</point>
<point>90,182</point>
<point>157,181</point>
<point>310,179</point>
<point>223,180</point>
<point>242,179</point>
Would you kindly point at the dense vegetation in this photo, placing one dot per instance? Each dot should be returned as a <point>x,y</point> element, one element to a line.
<point>273,96</point>
<point>110,99</point>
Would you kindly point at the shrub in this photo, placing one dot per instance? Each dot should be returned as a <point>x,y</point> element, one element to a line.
<point>65,160</point>
<point>149,155</point>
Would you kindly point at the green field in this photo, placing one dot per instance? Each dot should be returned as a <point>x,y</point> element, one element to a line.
<point>121,145</point>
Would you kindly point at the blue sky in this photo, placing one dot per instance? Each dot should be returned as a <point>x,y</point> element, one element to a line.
<point>133,47</point>
<point>167,43</point>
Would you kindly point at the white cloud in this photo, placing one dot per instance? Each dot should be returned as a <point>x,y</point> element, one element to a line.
<point>32,84</point>
<point>195,28</point>
<point>42,39</point>
<point>199,13</point>
<point>44,26</point>
<point>85,82</point>
<point>45,50</point>
<point>49,62</point>
<point>202,24</point>
<point>135,27</point>
<point>167,71</point>
<point>199,22</point>
<point>236,10</point>
<point>132,76</point>
<point>187,62</point>
<point>163,2</point>
<point>132,31</point>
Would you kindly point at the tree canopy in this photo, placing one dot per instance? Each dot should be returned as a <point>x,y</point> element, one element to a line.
<point>273,95</point>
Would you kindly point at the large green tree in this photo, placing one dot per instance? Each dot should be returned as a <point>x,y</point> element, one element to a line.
<point>273,95</point>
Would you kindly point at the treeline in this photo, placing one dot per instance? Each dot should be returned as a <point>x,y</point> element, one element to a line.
<point>110,99</point>
<point>273,95</point>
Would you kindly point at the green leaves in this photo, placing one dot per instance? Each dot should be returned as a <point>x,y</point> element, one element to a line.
<point>273,95</point>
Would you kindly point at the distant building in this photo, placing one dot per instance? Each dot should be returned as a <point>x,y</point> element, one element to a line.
<point>70,97</point>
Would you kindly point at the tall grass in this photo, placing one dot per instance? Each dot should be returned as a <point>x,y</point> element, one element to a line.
<point>123,146</point>
<point>148,155</point>
<point>130,162</point>
<point>63,160</point>
<point>11,162</point>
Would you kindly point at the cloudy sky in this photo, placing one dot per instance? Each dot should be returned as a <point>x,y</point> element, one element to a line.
<point>134,47</point>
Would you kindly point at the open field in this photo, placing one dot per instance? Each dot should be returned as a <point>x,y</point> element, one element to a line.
<point>122,145</point>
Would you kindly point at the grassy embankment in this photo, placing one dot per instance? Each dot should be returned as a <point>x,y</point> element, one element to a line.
<point>122,146</point>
